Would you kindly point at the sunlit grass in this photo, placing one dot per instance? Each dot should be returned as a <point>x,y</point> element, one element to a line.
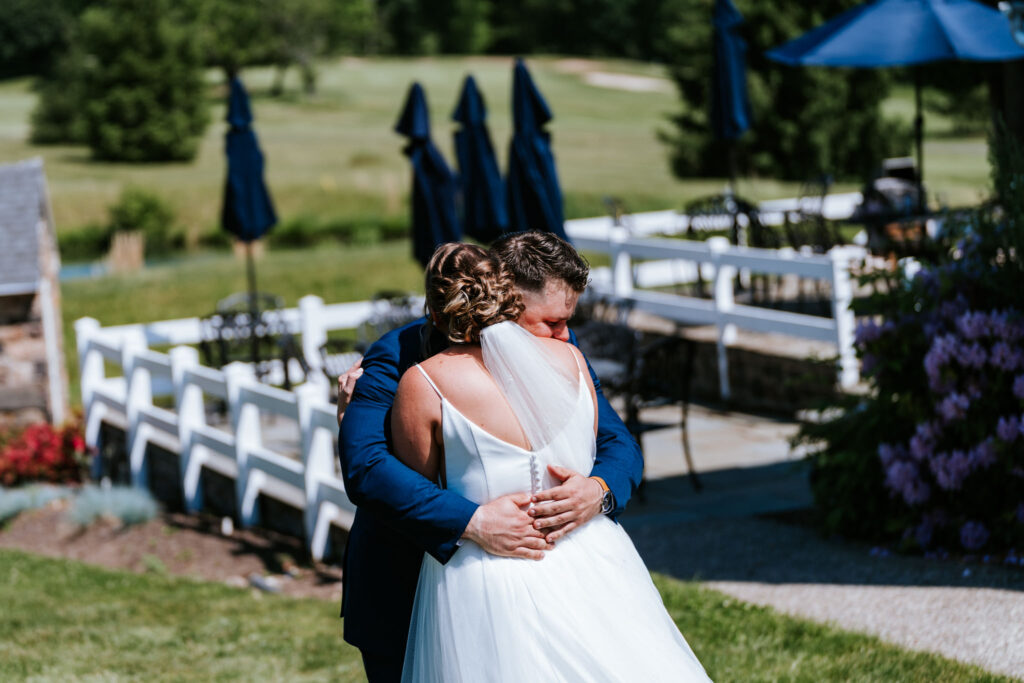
<point>63,620</point>
<point>335,154</point>
<point>192,286</point>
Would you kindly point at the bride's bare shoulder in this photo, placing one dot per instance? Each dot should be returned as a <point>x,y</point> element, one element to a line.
<point>561,352</point>
<point>455,369</point>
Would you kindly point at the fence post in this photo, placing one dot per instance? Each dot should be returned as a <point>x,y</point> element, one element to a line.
<point>318,458</point>
<point>91,374</point>
<point>622,266</point>
<point>842,297</point>
<point>138,396</point>
<point>724,302</point>
<point>188,399</point>
<point>245,423</point>
<point>311,321</point>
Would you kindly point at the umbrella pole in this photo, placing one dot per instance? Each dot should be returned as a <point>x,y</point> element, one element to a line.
<point>250,269</point>
<point>731,155</point>
<point>919,139</point>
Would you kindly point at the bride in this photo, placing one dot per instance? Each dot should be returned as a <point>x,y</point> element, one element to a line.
<point>486,418</point>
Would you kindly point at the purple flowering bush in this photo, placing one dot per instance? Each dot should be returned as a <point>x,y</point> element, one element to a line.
<point>955,460</point>
<point>933,455</point>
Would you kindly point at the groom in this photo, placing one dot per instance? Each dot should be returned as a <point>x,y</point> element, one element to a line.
<point>400,514</point>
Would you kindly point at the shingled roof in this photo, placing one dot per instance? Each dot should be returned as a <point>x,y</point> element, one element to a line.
<point>22,205</point>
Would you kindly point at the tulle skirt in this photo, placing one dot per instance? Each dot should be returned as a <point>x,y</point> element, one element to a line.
<point>587,612</point>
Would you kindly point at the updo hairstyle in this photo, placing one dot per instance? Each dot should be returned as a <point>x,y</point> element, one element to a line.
<point>468,289</point>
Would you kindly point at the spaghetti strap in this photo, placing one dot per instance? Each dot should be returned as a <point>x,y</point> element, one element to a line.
<point>577,359</point>
<point>430,381</point>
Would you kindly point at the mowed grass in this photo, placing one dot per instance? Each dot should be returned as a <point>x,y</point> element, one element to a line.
<point>335,154</point>
<point>64,620</point>
<point>192,286</point>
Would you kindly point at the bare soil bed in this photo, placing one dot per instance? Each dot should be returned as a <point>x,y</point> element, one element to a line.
<point>177,544</point>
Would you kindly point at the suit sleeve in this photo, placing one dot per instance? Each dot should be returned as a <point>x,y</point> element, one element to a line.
<point>378,482</point>
<point>619,460</point>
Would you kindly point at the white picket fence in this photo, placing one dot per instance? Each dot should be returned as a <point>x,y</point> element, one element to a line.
<point>309,482</point>
<point>645,262</point>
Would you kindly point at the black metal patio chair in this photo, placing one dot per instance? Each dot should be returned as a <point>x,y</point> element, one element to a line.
<point>252,329</point>
<point>642,372</point>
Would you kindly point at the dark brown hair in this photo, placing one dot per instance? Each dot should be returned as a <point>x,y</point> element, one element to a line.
<point>468,288</point>
<point>534,257</point>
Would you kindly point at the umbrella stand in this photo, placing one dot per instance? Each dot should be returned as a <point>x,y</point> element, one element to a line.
<point>922,203</point>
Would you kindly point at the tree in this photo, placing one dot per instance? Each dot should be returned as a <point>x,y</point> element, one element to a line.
<point>143,91</point>
<point>235,34</point>
<point>31,32</point>
<point>59,116</point>
<point>807,121</point>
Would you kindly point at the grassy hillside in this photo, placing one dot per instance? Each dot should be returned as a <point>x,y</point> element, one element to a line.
<point>335,154</point>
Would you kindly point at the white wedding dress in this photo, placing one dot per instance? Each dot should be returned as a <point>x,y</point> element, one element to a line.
<point>587,612</point>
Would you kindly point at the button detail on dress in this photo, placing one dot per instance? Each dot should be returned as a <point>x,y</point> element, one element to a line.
<point>535,480</point>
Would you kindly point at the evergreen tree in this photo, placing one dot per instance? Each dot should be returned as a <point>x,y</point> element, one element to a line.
<point>31,32</point>
<point>58,117</point>
<point>807,121</point>
<point>143,89</point>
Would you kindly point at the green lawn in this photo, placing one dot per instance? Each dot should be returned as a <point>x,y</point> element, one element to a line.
<point>64,620</point>
<point>335,154</point>
<point>193,285</point>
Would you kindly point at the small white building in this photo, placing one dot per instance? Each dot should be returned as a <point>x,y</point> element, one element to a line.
<point>33,377</point>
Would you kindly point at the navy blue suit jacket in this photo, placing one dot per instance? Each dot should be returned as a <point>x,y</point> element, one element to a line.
<point>402,514</point>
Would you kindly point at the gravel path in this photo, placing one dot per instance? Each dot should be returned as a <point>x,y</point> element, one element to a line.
<point>970,612</point>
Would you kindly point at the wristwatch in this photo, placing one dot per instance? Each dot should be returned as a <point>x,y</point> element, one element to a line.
<point>607,498</point>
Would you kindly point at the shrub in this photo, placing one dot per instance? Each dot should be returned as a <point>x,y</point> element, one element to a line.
<point>306,230</point>
<point>139,209</point>
<point>933,456</point>
<point>42,452</point>
<point>15,501</point>
<point>88,243</point>
<point>127,504</point>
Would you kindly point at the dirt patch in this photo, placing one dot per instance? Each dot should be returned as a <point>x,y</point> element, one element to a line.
<point>177,544</point>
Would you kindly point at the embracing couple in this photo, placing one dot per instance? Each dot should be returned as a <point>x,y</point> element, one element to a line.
<point>487,469</point>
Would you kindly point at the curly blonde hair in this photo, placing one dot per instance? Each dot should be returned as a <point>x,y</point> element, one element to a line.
<point>468,288</point>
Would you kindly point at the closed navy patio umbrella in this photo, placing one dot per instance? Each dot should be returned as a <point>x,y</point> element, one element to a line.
<point>730,106</point>
<point>534,197</point>
<point>484,215</point>
<point>434,217</point>
<point>247,212</point>
<point>903,33</point>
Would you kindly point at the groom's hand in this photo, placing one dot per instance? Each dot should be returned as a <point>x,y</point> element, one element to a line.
<point>571,504</point>
<point>502,527</point>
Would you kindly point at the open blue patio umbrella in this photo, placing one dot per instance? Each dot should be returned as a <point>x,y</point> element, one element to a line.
<point>730,106</point>
<point>484,215</point>
<point>247,211</point>
<point>534,197</point>
<point>904,33</point>
<point>434,217</point>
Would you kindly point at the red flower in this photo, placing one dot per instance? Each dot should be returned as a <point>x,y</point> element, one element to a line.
<point>41,452</point>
